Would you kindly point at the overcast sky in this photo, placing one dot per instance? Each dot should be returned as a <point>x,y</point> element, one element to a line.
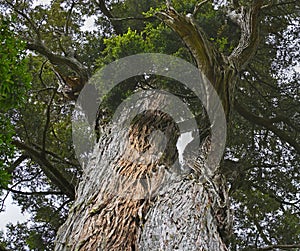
<point>12,214</point>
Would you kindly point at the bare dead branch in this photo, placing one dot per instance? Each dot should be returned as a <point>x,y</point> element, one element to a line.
<point>198,7</point>
<point>59,60</point>
<point>247,18</point>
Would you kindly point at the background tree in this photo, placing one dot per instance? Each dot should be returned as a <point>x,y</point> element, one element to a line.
<point>261,162</point>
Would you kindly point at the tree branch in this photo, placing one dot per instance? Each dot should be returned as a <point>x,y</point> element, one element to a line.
<point>57,157</point>
<point>16,163</point>
<point>247,18</point>
<point>260,230</point>
<point>133,18</point>
<point>213,64</point>
<point>48,114</point>
<point>26,17</point>
<point>34,192</point>
<point>267,124</point>
<point>59,60</point>
<point>273,247</point>
<point>198,7</point>
<point>195,39</point>
<point>60,178</point>
<point>273,4</point>
<point>66,27</point>
<point>102,6</point>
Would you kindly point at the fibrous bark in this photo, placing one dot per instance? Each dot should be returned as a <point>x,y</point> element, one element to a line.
<point>131,201</point>
<point>167,209</point>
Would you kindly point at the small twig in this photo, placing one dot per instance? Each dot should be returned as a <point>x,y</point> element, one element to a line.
<point>3,201</point>
<point>57,157</point>
<point>273,247</point>
<point>16,163</point>
<point>198,7</point>
<point>48,115</point>
<point>278,4</point>
<point>22,14</point>
<point>34,192</point>
<point>66,28</point>
<point>41,73</point>
<point>132,18</point>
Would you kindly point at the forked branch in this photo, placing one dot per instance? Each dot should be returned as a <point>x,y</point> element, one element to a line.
<point>195,39</point>
<point>59,60</point>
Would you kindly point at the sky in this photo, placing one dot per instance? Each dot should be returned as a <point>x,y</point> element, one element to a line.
<point>12,214</point>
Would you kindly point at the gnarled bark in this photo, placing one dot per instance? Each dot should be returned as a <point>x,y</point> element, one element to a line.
<point>180,211</point>
<point>131,201</point>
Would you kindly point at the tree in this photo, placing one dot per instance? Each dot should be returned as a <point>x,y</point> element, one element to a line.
<point>241,47</point>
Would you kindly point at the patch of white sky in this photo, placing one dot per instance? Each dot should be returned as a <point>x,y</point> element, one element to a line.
<point>12,214</point>
<point>89,21</point>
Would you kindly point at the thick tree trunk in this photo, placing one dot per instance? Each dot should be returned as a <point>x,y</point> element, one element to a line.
<point>128,203</point>
<point>131,201</point>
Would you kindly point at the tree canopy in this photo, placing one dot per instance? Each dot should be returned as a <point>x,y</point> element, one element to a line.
<point>40,85</point>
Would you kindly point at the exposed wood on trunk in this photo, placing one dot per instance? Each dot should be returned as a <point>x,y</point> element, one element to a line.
<point>220,72</point>
<point>248,20</point>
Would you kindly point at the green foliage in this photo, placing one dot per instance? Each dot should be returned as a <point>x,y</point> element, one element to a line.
<point>14,76</point>
<point>23,237</point>
<point>15,81</point>
<point>124,45</point>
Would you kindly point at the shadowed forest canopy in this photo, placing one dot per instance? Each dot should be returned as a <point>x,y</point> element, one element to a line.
<point>249,51</point>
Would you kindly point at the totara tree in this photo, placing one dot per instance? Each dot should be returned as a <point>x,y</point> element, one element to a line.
<point>247,50</point>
